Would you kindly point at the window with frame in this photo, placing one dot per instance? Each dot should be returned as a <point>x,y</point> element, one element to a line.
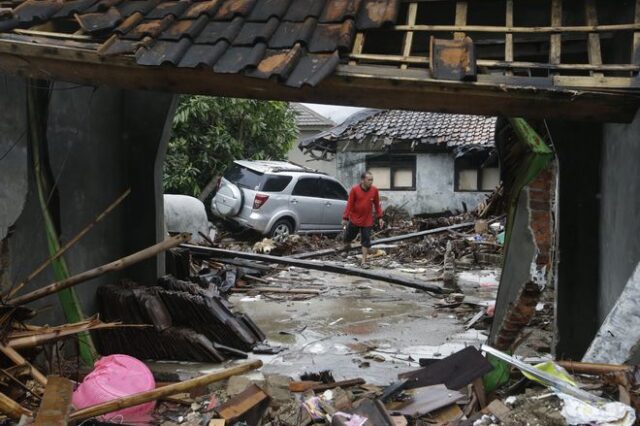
<point>393,172</point>
<point>473,175</point>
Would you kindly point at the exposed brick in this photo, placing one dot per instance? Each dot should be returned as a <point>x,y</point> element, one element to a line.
<point>539,205</point>
<point>539,195</point>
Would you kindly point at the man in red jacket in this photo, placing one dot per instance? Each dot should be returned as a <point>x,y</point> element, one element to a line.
<point>358,215</point>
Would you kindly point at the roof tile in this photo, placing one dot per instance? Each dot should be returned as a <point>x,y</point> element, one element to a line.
<point>215,31</point>
<point>313,68</point>
<point>209,8</point>
<point>376,13</point>
<point>254,32</point>
<point>299,10</point>
<point>175,8</point>
<point>203,55</point>
<point>184,28</point>
<point>339,10</point>
<point>151,28</point>
<point>237,59</point>
<point>37,10</point>
<point>163,52</point>
<point>129,7</point>
<point>95,22</point>
<point>278,63</point>
<point>329,37</point>
<point>290,33</point>
<point>265,9</point>
<point>232,8</point>
<point>74,6</point>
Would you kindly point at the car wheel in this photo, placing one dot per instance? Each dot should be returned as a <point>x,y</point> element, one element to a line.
<point>281,230</point>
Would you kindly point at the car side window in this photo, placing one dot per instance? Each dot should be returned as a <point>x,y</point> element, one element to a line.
<point>333,190</point>
<point>307,187</point>
<point>276,183</point>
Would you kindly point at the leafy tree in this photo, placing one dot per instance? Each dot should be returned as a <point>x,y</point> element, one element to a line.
<point>209,133</point>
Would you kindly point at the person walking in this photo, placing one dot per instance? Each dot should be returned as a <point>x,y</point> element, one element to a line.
<point>358,215</point>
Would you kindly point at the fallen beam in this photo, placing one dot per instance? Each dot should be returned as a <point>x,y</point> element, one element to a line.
<point>116,265</point>
<point>594,368</point>
<point>276,290</point>
<point>383,241</point>
<point>318,266</point>
<point>152,395</point>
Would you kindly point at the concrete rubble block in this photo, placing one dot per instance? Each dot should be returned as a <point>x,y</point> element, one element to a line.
<point>277,386</point>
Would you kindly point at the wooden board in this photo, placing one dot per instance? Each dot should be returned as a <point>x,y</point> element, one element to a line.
<point>56,403</point>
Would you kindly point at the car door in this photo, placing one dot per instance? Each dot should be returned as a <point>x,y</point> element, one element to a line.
<point>335,201</point>
<point>307,202</point>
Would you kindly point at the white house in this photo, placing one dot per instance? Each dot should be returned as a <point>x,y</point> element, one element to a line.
<point>310,123</point>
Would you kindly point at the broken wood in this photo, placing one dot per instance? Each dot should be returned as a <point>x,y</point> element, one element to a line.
<point>276,290</point>
<point>56,403</point>
<point>340,384</point>
<point>21,340</point>
<point>302,386</point>
<point>69,244</point>
<point>116,265</point>
<point>12,409</point>
<point>248,406</point>
<point>594,368</point>
<point>383,241</point>
<point>324,266</point>
<point>152,395</point>
<point>18,359</point>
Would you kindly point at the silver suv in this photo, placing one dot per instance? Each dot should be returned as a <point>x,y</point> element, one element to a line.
<point>279,198</point>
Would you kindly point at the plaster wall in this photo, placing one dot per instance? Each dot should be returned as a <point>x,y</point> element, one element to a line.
<point>434,183</point>
<point>101,142</point>
<point>297,156</point>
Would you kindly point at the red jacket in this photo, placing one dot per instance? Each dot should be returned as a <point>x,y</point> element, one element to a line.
<point>360,206</point>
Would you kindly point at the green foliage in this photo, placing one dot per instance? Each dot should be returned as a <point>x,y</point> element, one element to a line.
<point>209,133</point>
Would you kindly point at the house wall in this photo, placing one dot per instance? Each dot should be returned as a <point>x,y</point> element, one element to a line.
<point>434,183</point>
<point>297,156</point>
<point>101,142</point>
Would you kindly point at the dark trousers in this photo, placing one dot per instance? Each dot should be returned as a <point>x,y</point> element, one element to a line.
<point>352,231</point>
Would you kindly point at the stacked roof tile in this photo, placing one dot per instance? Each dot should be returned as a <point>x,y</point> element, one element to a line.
<point>439,129</point>
<point>296,41</point>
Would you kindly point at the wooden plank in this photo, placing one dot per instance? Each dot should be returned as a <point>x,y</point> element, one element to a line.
<point>56,403</point>
<point>504,64</point>
<point>635,52</point>
<point>318,266</point>
<point>397,238</point>
<point>508,38</point>
<point>18,359</point>
<point>367,85</point>
<point>555,48</point>
<point>518,30</point>
<point>407,43</point>
<point>152,395</point>
<point>593,41</point>
<point>358,45</point>
<point>461,18</point>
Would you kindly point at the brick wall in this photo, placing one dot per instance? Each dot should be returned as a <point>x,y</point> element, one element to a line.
<point>541,221</point>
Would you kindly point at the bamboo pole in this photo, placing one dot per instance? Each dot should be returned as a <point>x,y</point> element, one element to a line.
<point>152,395</point>
<point>12,409</point>
<point>277,290</point>
<point>594,368</point>
<point>116,265</point>
<point>69,244</point>
<point>18,359</point>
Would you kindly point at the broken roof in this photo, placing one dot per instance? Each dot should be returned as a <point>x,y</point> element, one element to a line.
<point>393,126</point>
<point>308,119</point>
<point>297,42</point>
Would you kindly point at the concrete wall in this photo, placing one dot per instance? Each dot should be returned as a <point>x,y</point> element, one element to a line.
<point>101,142</point>
<point>297,156</point>
<point>620,211</point>
<point>434,183</point>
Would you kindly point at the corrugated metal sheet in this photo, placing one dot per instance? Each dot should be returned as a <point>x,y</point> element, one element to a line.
<point>297,42</point>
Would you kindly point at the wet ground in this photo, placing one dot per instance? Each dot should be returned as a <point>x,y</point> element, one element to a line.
<point>356,327</point>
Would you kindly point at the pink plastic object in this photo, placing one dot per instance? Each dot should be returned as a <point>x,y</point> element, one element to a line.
<point>113,377</point>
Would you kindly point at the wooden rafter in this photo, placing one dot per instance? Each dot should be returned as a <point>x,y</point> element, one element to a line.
<point>508,38</point>
<point>635,50</point>
<point>461,18</point>
<point>555,48</point>
<point>407,43</point>
<point>594,51</point>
